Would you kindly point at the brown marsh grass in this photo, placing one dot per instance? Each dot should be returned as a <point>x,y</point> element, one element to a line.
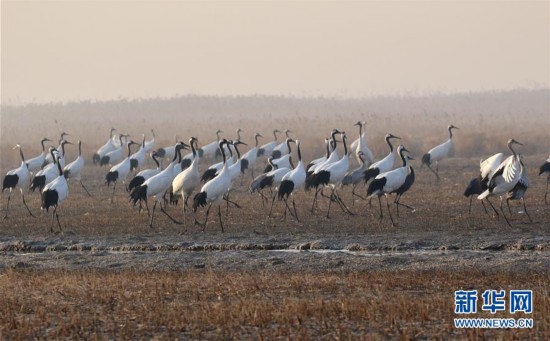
<point>242,305</point>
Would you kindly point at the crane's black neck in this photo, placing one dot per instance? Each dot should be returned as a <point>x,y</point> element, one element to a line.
<point>256,138</point>
<point>237,150</point>
<point>403,158</point>
<point>288,145</point>
<point>154,156</point>
<point>21,153</point>
<point>63,147</point>
<point>191,142</point>
<point>53,155</point>
<point>327,144</point>
<point>275,134</point>
<point>223,152</point>
<point>129,149</point>
<point>59,168</point>
<point>450,132</point>
<point>42,143</point>
<point>360,129</point>
<point>79,148</point>
<point>345,145</point>
<point>290,161</point>
<point>218,135</point>
<point>299,152</point>
<point>143,142</point>
<point>389,143</point>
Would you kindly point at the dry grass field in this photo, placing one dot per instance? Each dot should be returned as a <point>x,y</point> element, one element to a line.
<point>108,275</point>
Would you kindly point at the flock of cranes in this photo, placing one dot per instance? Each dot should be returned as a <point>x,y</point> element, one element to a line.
<point>49,173</point>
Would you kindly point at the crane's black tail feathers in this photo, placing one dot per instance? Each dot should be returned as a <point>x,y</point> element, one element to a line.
<point>426,159</point>
<point>276,154</point>
<point>10,181</point>
<point>208,174</point>
<point>133,164</point>
<point>376,185</point>
<point>104,160</point>
<point>545,168</point>
<point>161,152</point>
<point>185,163</point>
<point>136,181</point>
<point>474,187</point>
<point>49,198</point>
<point>111,177</point>
<point>38,182</point>
<point>96,159</point>
<point>199,200</point>
<point>139,193</point>
<point>67,173</point>
<point>285,189</point>
<point>371,173</point>
<point>244,165</point>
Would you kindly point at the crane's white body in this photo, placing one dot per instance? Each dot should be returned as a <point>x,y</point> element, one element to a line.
<point>74,169</point>
<point>123,169</point>
<point>505,177</point>
<point>148,145</point>
<point>333,157</point>
<point>488,166</point>
<point>139,156</point>
<point>444,150</point>
<point>158,184</point>
<point>50,172</point>
<point>23,176</point>
<point>283,161</point>
<point>394,179</point>
<point>297,176</point>
<point>217,187</point>
<point>35,164</point>
<point>116,155</point>
<point>59,185</point>
<point>188,180</point>
<point>384,165</point>
<point>109,146</point>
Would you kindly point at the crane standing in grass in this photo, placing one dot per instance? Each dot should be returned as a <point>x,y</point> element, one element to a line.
<point>18,177</point>
<point>54,194</point>
<point>440,152</point>
<point>74,169</point>
<point>504,179</point>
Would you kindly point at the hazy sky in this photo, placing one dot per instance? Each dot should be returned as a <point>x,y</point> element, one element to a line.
<point>57,50</point>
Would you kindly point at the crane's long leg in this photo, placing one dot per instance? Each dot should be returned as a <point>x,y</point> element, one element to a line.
<point>494,209</point>
<point>206,217</point>
<point>113,194</point>
<point>546,192</point>
<point>504,215</point>
<point>525,209</point>
<point>314,199</point>
<point>330,202</point>
<point>339,199</point>
<point>287,207</point>
<point>184,199</point>
<point>53,219</point>
<point>81,184</point>
<point>437,175</point>
<point>508,204</point>
<point>220,216</point>
<point>263,198</point>
<point>153,215</point>
<point>272,202</point>
<point>398,203</point>
<point>484,207</point>
<point>381,214</point>
<point>57,216</point>
<point>163,210</point>
<point>8,205</point>
<point>470,207</point>
<point>25,203</point>
<point>354,194</point>
<point>294,205</point>
<point>389,211</point>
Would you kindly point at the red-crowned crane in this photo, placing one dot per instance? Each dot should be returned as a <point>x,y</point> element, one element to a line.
<point>438,153</point>
<point>249,158</point>
<point>74,169</point>
<point>187,181</point>
<point>146,173</point>
<point>138,158</point>
<point>214,190</point>
<point>54,194</point>
<point>109,146</point>
<point>268,148</point>
<point>48,173</point>
<point>409,181</point>
<point>35,164</point>
<point>282,148</point>
<point>115,155</point>
<point>518,192</point>
<point>49,158</point>
<point>388,182</point>
<point>384,165</point>
<point>504,179</point>
<point>478,185</point>
<point>156,186</point>
<point>360,145</point>
<point>293,181</point>
<point>18,177</point>
<point>355,176</point>
<point>119,171</point>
